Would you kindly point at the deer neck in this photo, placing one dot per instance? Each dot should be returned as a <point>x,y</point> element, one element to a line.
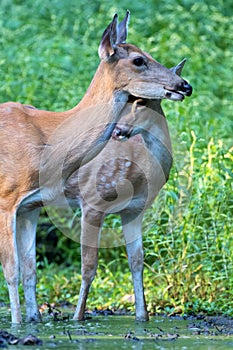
<point>102,89</point>
<point>85,127</point>
<point>159,127</point>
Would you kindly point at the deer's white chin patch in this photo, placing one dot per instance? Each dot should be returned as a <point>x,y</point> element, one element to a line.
<point>174,95</point>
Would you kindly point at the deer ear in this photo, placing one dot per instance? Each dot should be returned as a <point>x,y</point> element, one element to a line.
<point>108,42</point>
<point>138,106</point>
<point>123,29</point>
<point>178,69</point>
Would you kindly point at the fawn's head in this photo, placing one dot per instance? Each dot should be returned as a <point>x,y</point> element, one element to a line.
<point>135,72</point>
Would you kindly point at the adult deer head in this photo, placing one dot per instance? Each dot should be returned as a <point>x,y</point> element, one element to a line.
<point>134,71</point>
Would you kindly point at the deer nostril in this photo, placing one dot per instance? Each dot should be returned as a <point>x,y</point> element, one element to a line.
<point>186,87</point>
<point>189,89</point>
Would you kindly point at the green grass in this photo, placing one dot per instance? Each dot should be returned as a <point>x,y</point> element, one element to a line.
<point>48,55</point>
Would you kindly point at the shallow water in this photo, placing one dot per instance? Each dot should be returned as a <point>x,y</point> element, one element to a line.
<point>117,332</point>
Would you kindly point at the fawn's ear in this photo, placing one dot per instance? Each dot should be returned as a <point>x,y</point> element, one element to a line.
<point>114,34</point>
<point>178,69</point>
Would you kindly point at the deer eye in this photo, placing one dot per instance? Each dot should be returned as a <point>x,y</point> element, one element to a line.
<point>139,61</point>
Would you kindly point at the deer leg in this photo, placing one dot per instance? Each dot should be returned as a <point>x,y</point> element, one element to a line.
<point>133,236</point>
<point>26,242</point>
<point>89,255</point>
<point>10,264</point>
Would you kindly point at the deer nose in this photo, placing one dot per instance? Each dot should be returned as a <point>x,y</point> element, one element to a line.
<point>186,88</point>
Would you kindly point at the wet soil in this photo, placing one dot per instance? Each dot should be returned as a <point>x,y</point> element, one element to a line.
<point>106,329</point>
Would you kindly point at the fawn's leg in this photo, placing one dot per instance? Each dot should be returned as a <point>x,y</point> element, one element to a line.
<point>132,230</point>
<point>91,226</point>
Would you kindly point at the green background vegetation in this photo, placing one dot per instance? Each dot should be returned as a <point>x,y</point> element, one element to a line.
<point>48,55</point>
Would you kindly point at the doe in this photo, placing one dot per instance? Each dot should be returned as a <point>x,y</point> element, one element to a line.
<point>45,156</point>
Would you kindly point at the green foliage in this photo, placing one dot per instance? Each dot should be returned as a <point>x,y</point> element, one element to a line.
<point>189,246</point>
<point>48,56</point>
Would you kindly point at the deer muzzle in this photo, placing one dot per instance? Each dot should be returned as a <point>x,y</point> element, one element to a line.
<point>179,93</point>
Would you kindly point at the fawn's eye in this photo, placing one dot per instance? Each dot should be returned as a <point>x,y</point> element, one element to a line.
<point>139,61</point>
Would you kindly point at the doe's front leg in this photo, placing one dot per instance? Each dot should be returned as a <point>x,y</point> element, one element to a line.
<point>26,242</point>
